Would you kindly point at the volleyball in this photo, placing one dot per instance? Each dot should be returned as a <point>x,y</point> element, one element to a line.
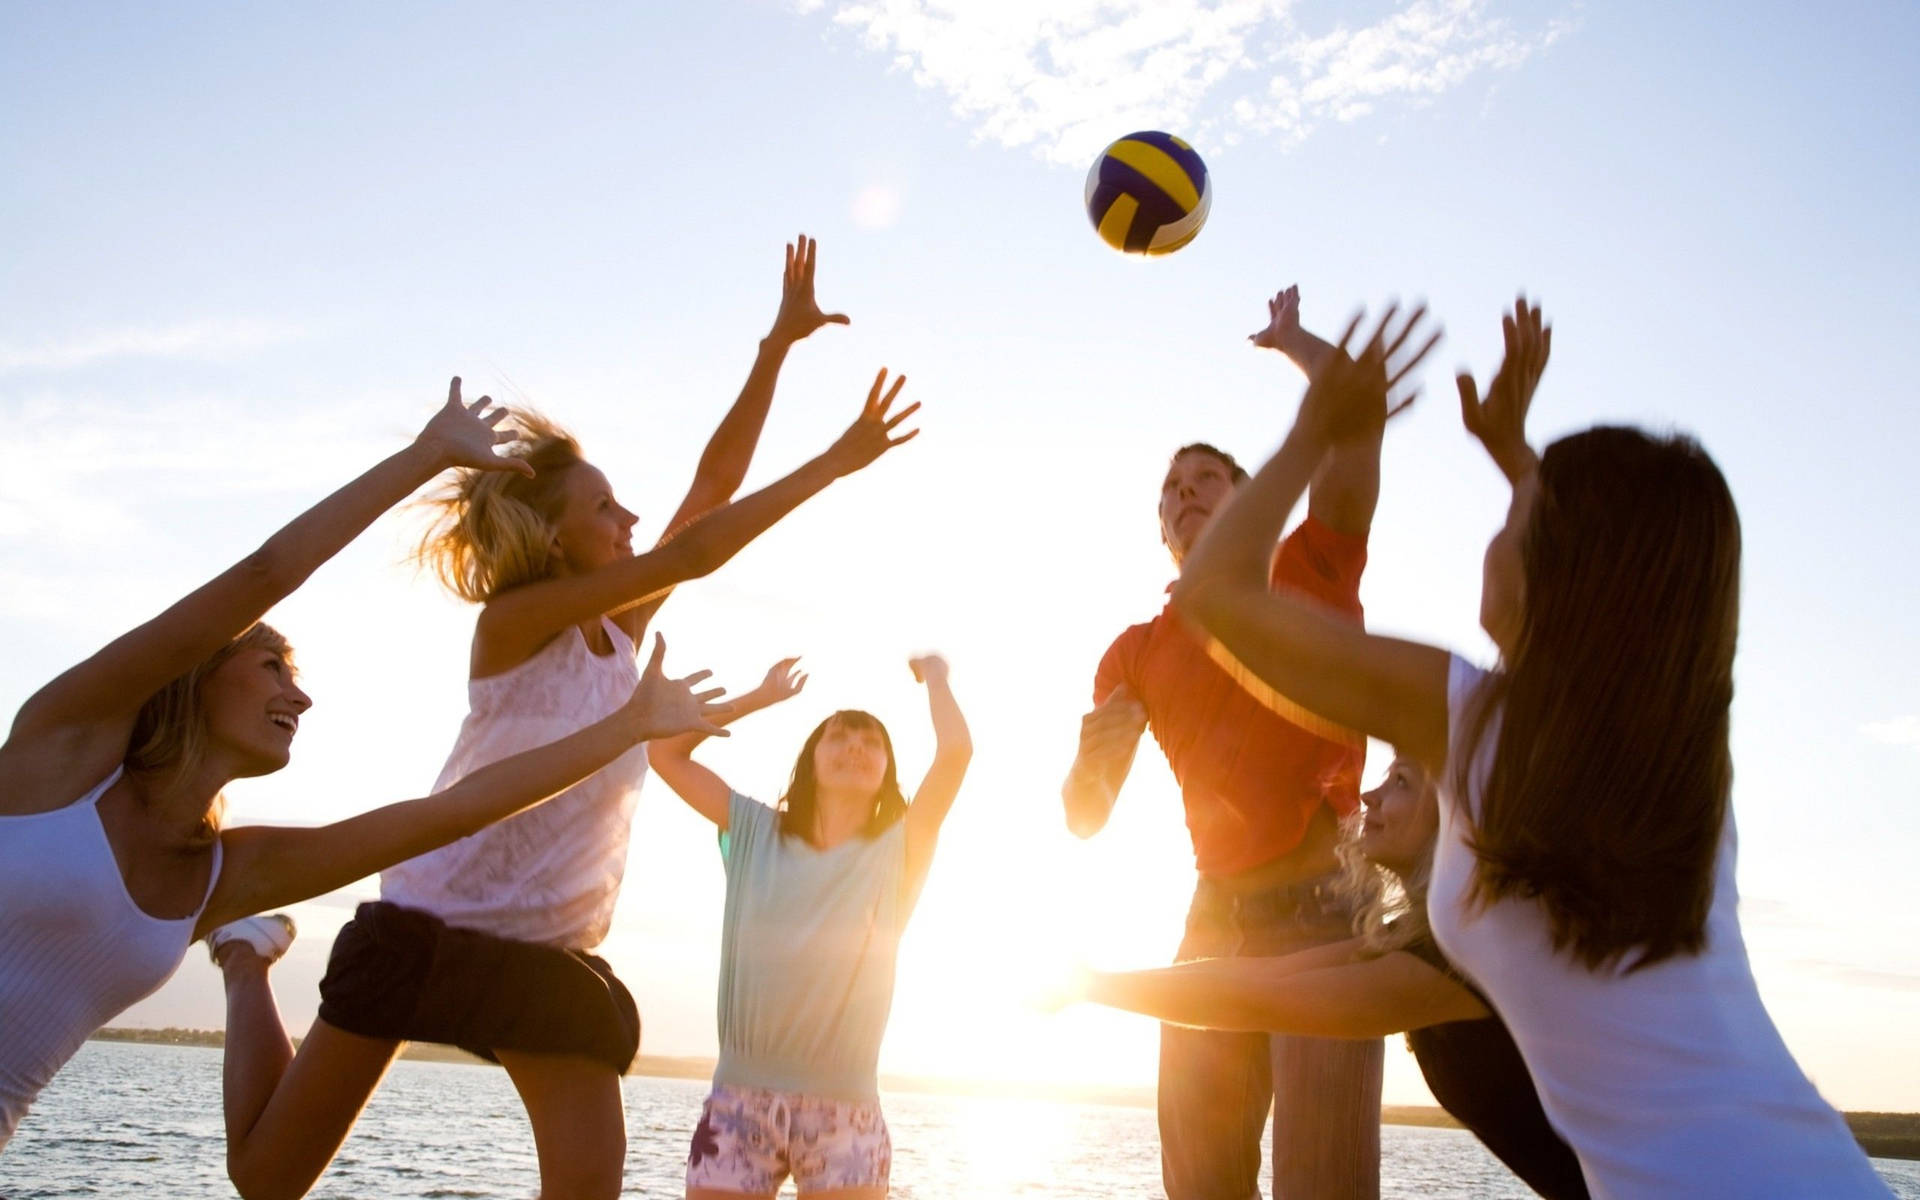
<point>1148,193</point>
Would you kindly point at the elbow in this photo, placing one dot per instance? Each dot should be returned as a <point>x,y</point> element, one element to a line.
<point>268,570</point>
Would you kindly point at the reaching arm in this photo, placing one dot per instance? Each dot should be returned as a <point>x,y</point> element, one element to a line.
<point>76,727</point>
<point>1500,421</point>
<point>1109,737</point>
<point>729,452</point>
<point>517,623</point>
<point>952,751</point>
<point>268,867</point>
<point>1359,998</point>
<point>1347,488</point>
<point>700,786</point>
<point>1389,689</point>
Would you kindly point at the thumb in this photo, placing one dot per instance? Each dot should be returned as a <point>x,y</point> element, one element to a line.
<point>1469,399</point>
<point>838,319</point>
<point>659,654</point>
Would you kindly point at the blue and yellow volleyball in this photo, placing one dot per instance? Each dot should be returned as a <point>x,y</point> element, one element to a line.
<point>1148,193</point>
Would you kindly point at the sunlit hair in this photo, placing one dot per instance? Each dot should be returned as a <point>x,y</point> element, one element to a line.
<point>169,738</point>
<point>493,530</point>
<point>799,807</point>
<point>1611,770</point>
<point>1390,909</point>
<point>1235,471</point>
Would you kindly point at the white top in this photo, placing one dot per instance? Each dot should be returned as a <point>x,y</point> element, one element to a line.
<point>1669,1081</point>
<point>75,950</point>
<point>551,874</point>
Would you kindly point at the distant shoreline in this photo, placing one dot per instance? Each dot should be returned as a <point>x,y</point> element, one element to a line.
<point>1881,1135</point>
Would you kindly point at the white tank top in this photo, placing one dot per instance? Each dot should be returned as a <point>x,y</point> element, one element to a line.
<point>1666,1081</point>
<point>75,950</point>
<point>551,874</point>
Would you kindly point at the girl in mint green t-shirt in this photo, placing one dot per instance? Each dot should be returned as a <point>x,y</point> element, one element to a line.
<point>819,888</point>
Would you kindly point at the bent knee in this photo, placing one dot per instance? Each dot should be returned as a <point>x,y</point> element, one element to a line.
<point>256,1180</point>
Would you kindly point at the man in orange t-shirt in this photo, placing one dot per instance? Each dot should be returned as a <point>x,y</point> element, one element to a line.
<point>1264,795</point>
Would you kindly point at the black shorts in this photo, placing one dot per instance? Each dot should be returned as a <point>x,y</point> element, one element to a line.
<point>406,975</point>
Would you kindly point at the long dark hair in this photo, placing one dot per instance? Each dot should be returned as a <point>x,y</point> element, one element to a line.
<point>798,806</point>
<point>1611,769</point>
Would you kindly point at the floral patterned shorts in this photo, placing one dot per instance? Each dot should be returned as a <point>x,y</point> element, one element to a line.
<point>751,1139</point>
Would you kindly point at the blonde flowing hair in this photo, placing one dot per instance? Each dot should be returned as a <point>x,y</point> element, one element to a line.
<point>492,531</point>
<point>1390,909</point>
<point>169,737</point>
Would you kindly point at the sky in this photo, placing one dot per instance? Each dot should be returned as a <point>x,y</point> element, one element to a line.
<point>242,248</point>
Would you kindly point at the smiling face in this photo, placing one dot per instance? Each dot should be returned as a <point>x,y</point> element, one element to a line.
<point>1402,818</point>
<point>592,529</point>
<point>1503,584</point>
<point>1197,485</point>
<point>252,705</point>
<point>851,759</point>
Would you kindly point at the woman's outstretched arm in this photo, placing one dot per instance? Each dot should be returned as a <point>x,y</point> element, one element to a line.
<point>270,867</point>
<point>699,785</point>
<point>952,752</point>
<point>1384,687</point>
<point>516,623</point>
<point>70,733</point>
<point>729,452</point>
<point>1317,996</point>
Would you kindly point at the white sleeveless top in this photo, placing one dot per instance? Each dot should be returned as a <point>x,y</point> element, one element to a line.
<point>1669,1081</point>
<point>75,950</point>
<point>551,874</point>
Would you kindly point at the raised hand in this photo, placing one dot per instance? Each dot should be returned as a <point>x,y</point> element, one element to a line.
<point>871,435</point>
<point>664,708</point>
<point>1500,419</point>
<point>928,669</point>
<point>799,313</point>
<point>1349,396</point>
<point>464,435</point>
<point>1283,322</point>
<point>784,681</point>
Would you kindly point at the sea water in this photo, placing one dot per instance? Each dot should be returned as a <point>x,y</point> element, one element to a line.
<point>134,1120</point>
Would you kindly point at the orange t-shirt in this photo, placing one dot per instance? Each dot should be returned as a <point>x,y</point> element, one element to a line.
<point>1250,779</point>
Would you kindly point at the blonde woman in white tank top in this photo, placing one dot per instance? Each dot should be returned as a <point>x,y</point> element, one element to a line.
<point>112,858</point>
<point>490,938</point>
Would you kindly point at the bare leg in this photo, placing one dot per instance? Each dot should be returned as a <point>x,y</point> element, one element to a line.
<point>579,1123</point>
<point>287,1113</point>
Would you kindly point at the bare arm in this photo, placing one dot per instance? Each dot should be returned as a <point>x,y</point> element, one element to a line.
<point>74,730</point>
<point>1109,738</point>
<point>1359,998</point>
<point>729,452</point>
<point>1347,489</point>
<point>700,786</point>
<point>952,752</point>
<point>268,867</point>
<point>1384,687</point>
<point>517,623</point>
<point>1500,420</point>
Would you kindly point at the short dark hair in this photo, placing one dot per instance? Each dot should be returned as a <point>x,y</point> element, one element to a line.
<point>1237,472</point>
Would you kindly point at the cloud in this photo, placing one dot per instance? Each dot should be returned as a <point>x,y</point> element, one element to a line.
<point>212,340</point>
<point>1903,730</point>
<point>1062,76</point>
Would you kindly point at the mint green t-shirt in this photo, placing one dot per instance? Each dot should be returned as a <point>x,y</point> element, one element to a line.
<point>807,950</point>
